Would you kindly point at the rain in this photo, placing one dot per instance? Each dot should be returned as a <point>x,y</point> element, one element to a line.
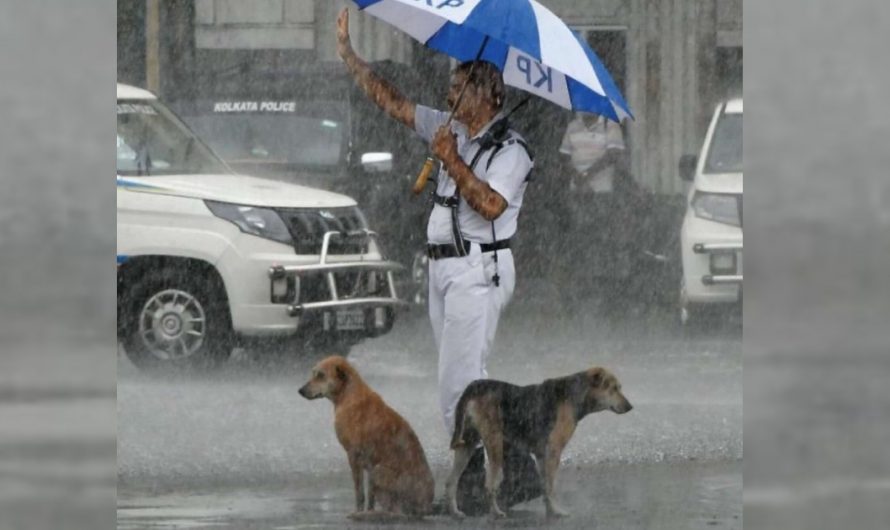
<point>597,282</point>
<point>221,438</point>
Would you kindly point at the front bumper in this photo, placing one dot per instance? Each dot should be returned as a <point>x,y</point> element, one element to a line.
<point>337,286</point>
<point>720,248</point>
<point>261,307</point>
<point>712,261</point>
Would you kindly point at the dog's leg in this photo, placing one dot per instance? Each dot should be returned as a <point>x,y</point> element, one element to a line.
<point>461,458</point>
<point>494,470</point>
<point>385,484</point>
<point>548,465</point>
<point>357,482</point>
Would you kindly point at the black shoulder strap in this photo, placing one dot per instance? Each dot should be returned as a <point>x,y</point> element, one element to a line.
<point>476,158</point>
<point>500,145</point>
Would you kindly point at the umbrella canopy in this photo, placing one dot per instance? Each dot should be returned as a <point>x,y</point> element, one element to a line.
<point>533,48</point>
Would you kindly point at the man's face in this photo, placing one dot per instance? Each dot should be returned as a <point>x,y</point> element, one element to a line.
<point>472,98</point>
<point>589,119</point>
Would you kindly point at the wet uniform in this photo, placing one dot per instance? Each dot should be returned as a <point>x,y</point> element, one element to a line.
<point>464,302</point>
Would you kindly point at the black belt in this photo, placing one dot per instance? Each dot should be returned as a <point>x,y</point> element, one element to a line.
<point>448,250</point>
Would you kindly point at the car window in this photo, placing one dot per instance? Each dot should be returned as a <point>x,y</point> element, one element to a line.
<point>152,141</point>
<point>725,153</point>
<point>307,134</point>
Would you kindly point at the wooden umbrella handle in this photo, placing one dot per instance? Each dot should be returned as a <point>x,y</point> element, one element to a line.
<point>424,175</point>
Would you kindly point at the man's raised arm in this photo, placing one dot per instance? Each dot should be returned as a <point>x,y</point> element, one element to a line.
<point>379,90</point>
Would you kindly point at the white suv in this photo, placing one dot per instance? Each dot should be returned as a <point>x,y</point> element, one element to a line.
<point>207,257</point>
<point>711,236</point>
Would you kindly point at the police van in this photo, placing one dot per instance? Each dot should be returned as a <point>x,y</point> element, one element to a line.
<point>207,258</point>
<point>309,124</point>
<point>711,236</point>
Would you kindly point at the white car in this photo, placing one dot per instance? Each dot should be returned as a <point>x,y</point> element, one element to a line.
<point>207,258</point>
<point>711,235</point>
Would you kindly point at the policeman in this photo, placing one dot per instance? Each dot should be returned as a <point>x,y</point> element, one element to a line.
<point>479,192</point>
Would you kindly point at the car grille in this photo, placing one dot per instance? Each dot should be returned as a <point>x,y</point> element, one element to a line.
<point>308,227</point>
<point>349,285</point>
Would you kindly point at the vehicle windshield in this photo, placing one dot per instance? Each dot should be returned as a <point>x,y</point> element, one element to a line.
<point>311,135</point>
<point>725,155</point>
<point>151,140</point>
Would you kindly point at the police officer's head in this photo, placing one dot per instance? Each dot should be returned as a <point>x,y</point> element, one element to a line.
<point>485,90</point>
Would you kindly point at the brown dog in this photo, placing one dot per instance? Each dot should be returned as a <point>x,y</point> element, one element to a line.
<point>377,440</point>
<point>539,419</point>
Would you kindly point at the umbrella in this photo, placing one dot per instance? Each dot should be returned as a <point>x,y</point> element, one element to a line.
<point>533,48</point>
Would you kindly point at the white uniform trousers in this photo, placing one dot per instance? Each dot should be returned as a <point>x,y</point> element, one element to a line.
<point>465,306</point>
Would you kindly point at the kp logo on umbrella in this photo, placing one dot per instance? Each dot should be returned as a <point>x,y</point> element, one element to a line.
<point>533,48</point>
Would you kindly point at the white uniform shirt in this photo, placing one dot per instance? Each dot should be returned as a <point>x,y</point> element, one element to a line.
<point>506,175</point>
<point>586,145</point>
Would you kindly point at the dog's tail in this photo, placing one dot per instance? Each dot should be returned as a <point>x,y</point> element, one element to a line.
<point>457,439</point>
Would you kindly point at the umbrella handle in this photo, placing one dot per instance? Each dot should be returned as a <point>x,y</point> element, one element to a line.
<point>424,175</point>
<point>427,168</point>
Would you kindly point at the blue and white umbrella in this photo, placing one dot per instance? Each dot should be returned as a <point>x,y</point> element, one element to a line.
<point>534,49</point>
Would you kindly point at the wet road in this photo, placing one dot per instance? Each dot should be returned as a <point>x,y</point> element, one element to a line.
<point>243,450</point>
<point>57,433</point>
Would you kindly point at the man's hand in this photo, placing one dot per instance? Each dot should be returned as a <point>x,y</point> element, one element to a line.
<point>381,92</point>
<point>344,44</point>
<point>478,194</point>
<point>444,145</point>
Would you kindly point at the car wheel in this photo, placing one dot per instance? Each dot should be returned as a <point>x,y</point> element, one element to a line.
<point>177,321</point>
<point>698,320</point>
<point>690,316</point>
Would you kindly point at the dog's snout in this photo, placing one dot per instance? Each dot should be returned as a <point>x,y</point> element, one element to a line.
<point>304,392</point>
<point>622,405</point>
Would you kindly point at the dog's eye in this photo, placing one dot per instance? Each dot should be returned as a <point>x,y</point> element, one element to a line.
<point>318,375</point>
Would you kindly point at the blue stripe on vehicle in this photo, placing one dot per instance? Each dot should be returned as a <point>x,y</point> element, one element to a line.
<point>512,22</point>
<point>121,258</point>
<point>365,3</point>
<point>463,44</point>
<point>123,183</point>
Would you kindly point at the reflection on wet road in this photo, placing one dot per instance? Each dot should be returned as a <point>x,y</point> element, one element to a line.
<point>242,446</point>
<point>677,496</point>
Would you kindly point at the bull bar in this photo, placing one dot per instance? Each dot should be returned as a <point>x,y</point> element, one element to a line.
<point>292,274</point>
<point>712,248</point>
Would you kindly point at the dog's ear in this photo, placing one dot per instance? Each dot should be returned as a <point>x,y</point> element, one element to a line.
<point>596,376</point>
<point>341,374</point>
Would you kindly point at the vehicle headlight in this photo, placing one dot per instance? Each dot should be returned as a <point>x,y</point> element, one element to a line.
<point>721,208</point>
<point>261,222</point>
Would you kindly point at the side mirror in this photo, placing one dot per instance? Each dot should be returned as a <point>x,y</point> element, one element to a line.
<point>377,162</point>
<point>687,167</point>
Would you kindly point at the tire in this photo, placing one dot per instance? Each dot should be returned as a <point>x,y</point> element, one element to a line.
<point>691,318</point>
<point>698,320</point>
<point>177,320</point>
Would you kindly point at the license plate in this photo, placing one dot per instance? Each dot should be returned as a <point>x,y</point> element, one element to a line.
<point>350,319</point>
